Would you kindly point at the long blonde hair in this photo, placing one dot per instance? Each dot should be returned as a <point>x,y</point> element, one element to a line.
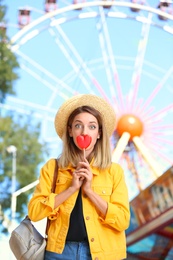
<point>101,154</point>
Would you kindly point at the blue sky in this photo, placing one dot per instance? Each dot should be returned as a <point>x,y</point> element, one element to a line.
<point>88,56</point>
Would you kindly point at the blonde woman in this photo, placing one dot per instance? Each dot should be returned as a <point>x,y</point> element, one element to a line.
<point>89,211</point>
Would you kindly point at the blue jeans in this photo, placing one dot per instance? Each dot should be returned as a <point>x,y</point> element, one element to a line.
<point>72,251</point>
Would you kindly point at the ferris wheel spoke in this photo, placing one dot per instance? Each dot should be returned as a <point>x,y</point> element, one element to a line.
<point>163,140</point>
<point>39,76</point>
<point>112,73</point>
<point>161,127</point>
<point>157,89</point>
<point>55,92</point>
<point>160,152</point>
<point>82,70</point>
<point>107,52</point>
<point>160,114</point>
<point>79,66</point>
<point>25,107</point>
<point>154,127</point>
<point>139,60</point>
<point>157,137</point>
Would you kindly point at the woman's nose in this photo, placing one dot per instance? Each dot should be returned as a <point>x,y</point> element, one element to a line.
<point>84,130</point>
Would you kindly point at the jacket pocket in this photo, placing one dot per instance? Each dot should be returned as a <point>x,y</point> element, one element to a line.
<point>104,192</point>
<point>62,183</point>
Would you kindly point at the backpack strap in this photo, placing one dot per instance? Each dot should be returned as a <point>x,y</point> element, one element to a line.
<point>55,176</point>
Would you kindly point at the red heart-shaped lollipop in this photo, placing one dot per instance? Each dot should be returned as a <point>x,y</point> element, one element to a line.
<point>83,141</point>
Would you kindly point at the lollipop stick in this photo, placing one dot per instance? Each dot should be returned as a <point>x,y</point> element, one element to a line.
<point>84,153</point>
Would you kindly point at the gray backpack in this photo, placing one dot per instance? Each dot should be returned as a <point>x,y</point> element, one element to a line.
<point>26,242</point>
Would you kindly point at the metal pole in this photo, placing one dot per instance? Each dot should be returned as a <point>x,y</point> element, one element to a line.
<point>13,186</point>
<point>13,150</point>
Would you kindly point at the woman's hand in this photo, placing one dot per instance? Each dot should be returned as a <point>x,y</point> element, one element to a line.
<point>83,171</point>
<point>77,181</point>
<point>85,175</point>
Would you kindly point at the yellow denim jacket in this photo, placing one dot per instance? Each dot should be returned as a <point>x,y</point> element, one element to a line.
<point>106,236</point>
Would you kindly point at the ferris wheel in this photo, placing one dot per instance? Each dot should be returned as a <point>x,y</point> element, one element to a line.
<point>120,50</point>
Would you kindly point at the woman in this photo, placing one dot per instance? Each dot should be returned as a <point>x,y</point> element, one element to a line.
<point>89,211</point>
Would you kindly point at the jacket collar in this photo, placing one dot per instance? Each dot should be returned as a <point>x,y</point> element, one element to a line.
<point>70,169</point>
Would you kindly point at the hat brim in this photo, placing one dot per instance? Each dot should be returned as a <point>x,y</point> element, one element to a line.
<point>106,110</point>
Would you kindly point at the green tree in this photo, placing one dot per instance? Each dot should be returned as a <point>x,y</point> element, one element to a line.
<point>17,131</point>
<point>8,61</point>
<point>25,137</point>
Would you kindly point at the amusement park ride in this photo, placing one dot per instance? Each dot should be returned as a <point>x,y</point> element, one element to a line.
<point>143,138</point>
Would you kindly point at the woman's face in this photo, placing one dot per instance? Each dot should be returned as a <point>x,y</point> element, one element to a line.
<point>85,124</point>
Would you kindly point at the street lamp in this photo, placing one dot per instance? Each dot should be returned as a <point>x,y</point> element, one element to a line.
<point>13,150</point>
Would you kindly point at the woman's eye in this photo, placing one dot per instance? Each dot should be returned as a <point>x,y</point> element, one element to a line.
<point>78,126</point>
<point>92,127</point>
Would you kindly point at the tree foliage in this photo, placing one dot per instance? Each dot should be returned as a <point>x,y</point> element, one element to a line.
<point>8,61</point>
<point>19,131</point>
<point>25,137</point>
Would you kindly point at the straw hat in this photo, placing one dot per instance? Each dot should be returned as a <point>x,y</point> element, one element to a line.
<point>98,103</point>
